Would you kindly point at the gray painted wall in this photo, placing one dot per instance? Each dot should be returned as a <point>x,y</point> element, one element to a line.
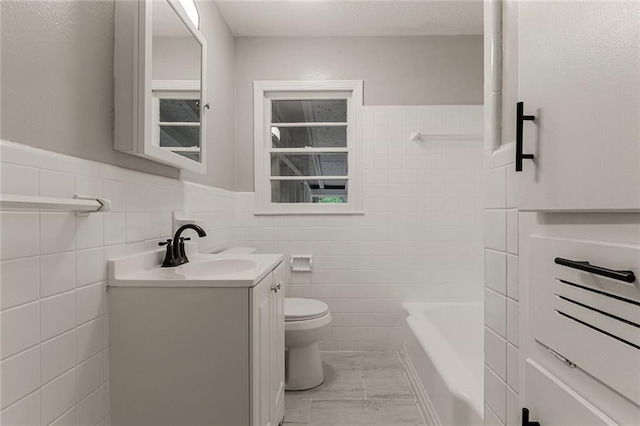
<point>221,96</point>
<point>395,70</point>
<point>57,83</point>
<point>175,58</point>
<point>57,80</point>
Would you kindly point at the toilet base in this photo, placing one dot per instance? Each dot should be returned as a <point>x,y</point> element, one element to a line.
<point>303,368</point>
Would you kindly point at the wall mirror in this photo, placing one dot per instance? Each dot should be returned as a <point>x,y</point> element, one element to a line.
<point>160,94</point>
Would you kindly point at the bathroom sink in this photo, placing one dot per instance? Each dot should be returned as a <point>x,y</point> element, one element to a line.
<point>216,267</point>
<point>203,270</point>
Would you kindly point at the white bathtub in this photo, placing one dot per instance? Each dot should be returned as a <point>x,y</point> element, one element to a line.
<point>445,346</point>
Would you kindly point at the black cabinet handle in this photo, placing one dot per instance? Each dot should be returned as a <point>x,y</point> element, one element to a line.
<point>626,276</point>
<point>525,418</point>
<point>520,119</point>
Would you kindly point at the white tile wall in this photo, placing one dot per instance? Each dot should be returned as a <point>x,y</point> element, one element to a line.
<point>501,281</point>
<point>501,231</point>
<point>54,356</point>
<point>421,236</point>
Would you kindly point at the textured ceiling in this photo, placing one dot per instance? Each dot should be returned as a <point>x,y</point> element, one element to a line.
<point>337,18</point>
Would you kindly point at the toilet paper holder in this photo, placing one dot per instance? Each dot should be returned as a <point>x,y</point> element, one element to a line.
<point>301,263</point>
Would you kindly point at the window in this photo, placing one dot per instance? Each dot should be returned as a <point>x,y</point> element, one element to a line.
<point>176,117</point>
<point>307,147</point>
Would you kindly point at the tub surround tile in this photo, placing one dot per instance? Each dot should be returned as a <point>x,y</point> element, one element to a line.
<point>490,418</point>
<point>495,353</point>
<point>20,375</point>
<point>18,180</point>
<point>57,314</point>
<point>512,277</point>
<point>56,184</point>
<point>57,273</point>
<point>513,408</point>
<point>58,355</point>
<point>58,396</point>
<point>19,236</point>
<point>495,271</point>
<point>495,393</point>
<point>496,188</point>
<point>512,231</point>
<point>19,282</point>
<point>67,419</point>
<point>513,322</point>
<point>20,329</point>
<point>495,229</point>
<point>513,379</point>
<point>24,412</point>
<point>57,232</point>
<point>495,312</point>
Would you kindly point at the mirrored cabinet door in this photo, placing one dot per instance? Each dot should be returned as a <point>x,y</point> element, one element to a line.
<point>160,83</point>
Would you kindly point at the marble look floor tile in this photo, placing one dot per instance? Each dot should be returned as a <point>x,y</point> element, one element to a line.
<point>353,413</point>
<point>296,410</point>
<point>342,360</point>
<point>385,384</point>
<point>380,361</point>
<point>337,385</point>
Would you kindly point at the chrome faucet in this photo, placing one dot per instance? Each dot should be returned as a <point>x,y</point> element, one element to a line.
<point>176,254</point>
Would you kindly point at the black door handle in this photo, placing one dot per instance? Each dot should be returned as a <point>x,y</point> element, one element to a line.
<point>525,418</point>
<point>626,276</point>
<point>520,119</point>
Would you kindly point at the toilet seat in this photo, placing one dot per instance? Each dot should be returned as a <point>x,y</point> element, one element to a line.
<point>298,309</point>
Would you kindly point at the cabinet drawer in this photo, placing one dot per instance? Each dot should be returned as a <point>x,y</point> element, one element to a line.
<point>553,403</point>
<point>590,319</point>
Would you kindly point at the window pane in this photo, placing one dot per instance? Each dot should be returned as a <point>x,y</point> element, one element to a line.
<point>179,110</point>
<point>309,191</point>
<point>309,165</point>
<point>179,136</point>
<point>195,156</point>
<point>315,137</point>
<point>309,111</point>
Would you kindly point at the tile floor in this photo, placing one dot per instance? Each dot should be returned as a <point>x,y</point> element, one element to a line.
<point>360,388</point>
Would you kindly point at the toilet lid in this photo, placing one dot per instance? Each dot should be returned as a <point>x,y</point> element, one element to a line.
<point>296,309</point>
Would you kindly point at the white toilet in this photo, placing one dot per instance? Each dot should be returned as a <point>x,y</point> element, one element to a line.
<point>306,322</point>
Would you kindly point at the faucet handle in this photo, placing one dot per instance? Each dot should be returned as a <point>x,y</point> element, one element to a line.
<point>169,258</point>
<point>185,238</point>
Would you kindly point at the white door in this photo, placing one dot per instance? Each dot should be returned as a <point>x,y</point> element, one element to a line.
<point>579,75</point>
<point>261,352</point>
<point>277,369</point>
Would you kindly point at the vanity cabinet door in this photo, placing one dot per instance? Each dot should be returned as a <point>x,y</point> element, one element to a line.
<point>579,75</point>
<point>262,343</point>
<point>277,380</point>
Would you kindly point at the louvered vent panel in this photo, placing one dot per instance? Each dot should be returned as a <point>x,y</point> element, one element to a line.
<point>588,318</point>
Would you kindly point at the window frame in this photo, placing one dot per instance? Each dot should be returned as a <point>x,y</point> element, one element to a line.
<point>264,93</point>
<point>175,89</point>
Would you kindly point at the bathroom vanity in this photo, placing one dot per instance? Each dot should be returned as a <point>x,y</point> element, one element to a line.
<point>201,343</point>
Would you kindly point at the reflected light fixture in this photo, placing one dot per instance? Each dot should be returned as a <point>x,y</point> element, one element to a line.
<point>275,132</point>
<point>189,6</point>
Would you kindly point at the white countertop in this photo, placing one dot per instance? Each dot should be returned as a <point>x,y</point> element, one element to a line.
<point>143,270</point>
